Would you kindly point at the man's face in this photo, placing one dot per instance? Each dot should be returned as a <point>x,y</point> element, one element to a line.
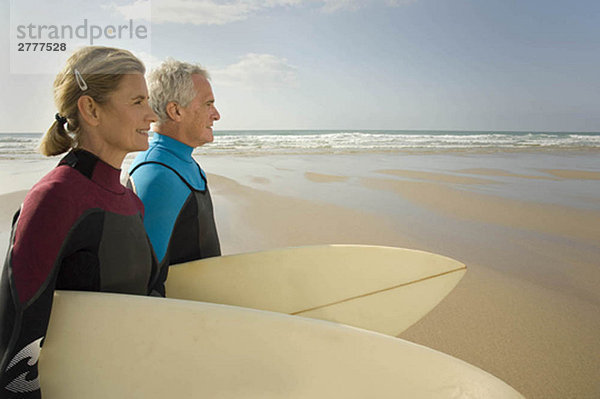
<point>199,115</point>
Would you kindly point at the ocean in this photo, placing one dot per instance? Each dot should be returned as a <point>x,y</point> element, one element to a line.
<point>281,142</point>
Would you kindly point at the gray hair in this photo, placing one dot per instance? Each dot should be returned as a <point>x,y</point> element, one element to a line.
<point>172,81</point>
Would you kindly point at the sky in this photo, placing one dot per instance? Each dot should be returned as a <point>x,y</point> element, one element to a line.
<point>492,65</point>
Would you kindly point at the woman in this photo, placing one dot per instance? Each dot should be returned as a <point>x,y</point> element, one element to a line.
<point>78,228</point>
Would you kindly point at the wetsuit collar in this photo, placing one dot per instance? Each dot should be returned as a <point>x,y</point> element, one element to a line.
<point>94,169</point>
<point>180,150</point>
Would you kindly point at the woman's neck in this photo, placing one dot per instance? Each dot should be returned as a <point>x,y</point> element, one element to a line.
<point>109,155</point>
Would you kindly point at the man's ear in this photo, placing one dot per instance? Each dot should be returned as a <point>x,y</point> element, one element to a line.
<point>88,110</point>
<point>173,111</point>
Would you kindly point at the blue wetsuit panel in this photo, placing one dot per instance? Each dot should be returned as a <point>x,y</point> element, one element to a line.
<point>163,194</point>
<point>179,215</point>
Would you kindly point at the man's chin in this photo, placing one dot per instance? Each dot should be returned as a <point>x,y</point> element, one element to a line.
<point>205,139</point>
<point>210,137</point>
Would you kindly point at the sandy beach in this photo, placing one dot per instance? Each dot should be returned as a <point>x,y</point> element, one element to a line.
<point>526,225</point>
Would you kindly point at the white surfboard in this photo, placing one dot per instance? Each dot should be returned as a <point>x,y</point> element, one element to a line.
<point>102,346</point>
<point>381,289</point>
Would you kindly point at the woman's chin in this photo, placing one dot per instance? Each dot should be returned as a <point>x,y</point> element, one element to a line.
<point>141,145</point>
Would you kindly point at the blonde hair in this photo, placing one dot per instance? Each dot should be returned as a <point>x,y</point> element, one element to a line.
<point>172,82</point>
<point>93,71</point>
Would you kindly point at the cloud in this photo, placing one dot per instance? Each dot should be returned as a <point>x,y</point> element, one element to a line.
<point>278,3</point>
<point>336,5</point>
<point>398,3</point>
<point>197,12</point>
<point>200,12</point>
<point>139,9</point>
<point>257,71</point>
<point>213,12</point>
<point>149,60</point>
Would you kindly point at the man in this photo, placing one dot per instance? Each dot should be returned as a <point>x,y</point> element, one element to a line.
<point>179,215</point>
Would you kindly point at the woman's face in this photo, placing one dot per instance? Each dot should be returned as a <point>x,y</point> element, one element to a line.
<point>126,118</point>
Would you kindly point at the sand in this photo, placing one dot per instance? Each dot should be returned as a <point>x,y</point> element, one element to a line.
<point>321,178</point>
<point>499,172</point>
<point>573,174</point>
<point>528,309</point>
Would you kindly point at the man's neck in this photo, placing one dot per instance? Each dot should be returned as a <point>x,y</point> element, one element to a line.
<point>167,129</point>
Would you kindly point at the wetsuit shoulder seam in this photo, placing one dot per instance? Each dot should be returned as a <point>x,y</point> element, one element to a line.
<point>171,169</point>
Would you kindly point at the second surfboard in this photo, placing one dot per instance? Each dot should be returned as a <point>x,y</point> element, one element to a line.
<point>381,289</point>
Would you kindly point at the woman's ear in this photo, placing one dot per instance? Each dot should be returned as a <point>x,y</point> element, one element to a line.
<point>88,110</point>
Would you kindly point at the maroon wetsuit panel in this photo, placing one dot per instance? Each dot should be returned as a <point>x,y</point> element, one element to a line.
<point>78,229</point>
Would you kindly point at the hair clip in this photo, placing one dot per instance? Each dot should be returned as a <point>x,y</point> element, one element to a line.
<point>82,85</point>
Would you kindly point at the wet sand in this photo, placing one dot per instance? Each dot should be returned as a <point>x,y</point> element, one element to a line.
<point>528,309</point>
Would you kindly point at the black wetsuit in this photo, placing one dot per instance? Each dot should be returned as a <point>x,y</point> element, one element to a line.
<point>179,211</point>
<point>78,229</point>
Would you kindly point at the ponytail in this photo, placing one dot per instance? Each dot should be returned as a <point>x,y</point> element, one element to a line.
<point>56,140</point>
